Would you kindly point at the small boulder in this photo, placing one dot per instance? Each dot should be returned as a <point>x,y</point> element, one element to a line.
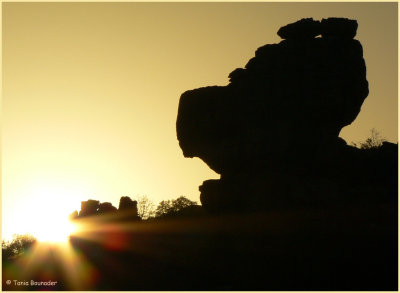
<point>339,28</point>
<point>306,28</point>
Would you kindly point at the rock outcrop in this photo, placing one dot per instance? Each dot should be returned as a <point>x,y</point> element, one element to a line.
<point>89,208</point>
<point>106,207</point>
<point>127,210</point>
<point>272,132</point>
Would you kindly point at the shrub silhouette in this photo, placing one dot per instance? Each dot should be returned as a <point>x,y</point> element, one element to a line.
<point>17,246</point>
<point>374,141</point>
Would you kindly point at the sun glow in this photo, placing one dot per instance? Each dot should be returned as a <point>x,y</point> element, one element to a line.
<point>44,213</point>
<point>55,231</point>
<point>51,226</point>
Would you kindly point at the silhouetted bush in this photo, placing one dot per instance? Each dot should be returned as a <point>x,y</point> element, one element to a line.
<point>17,246</point>
<point>374,141</point>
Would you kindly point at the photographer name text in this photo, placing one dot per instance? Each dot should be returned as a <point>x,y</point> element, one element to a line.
<point>31,283</point>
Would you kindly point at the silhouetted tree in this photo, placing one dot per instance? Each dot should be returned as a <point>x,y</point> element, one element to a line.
<point>168,207</point>
<point>163,208</point>
<point>146,208</point>
<point>17,246</point>
<point>181,203</point>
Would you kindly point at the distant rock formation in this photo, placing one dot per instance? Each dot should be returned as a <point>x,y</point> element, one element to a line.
<point>126,202</point>
<point>272,132</point>
<point>106,207</point>
<point>127,210</point>
<point>89,208</point>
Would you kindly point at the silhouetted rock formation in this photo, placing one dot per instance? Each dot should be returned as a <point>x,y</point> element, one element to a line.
<point>106,207</point>
<point>338,28</point>
<point>307,28</point>
<point>272,132</point>
<point>127,210</point>
<point>73,215</point>
<point>303,29</point>
<point>89,208</point>
<point>126,202</point>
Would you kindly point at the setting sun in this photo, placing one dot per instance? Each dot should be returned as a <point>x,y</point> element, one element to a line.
<point>57,230</point>
<point>45,210</point>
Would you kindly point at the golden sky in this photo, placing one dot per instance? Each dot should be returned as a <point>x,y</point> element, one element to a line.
<point>91,92</point>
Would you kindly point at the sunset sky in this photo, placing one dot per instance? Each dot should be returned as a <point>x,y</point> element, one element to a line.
<point>91,92</point>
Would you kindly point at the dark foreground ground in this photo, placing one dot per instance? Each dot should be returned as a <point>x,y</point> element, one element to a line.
<point>352,248</point>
